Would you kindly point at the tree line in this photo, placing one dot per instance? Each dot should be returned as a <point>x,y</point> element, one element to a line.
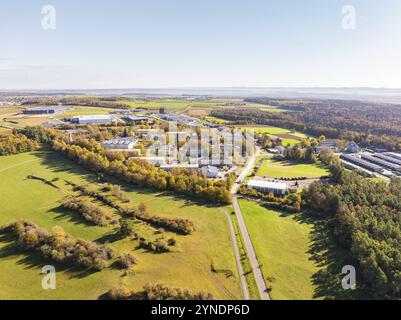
<point>142,173</point>
<point>157,292</point>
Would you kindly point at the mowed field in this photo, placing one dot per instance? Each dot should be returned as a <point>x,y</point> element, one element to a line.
<point>188,265</point>
<point>288,137</point>
<point>287,169</point>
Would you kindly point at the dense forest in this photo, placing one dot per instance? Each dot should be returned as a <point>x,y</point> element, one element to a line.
<point>368,124</point>
<point>366,217</point>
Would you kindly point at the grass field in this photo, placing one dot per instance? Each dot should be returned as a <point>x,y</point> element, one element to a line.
<point>298,252</point>
<point>189,265</point>
<point>82,110</point>
<point>286,169</point>
<point>288,137</point>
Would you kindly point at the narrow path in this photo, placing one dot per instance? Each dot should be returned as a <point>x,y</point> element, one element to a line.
<point>257,271</point>
<point>244,287</point>
<point>18,164</point>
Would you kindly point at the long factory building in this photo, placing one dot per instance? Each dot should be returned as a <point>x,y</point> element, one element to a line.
<point>382,163</point>
<point>362,163</point>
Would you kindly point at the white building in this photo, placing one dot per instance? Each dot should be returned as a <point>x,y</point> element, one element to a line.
<point>93,119</point>
<point>277,188</point>
<point>210,172</point>
<point>120,144</point>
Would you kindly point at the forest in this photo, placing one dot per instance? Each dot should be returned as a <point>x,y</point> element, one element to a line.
<point>369,124</point>
<point>366,219</point>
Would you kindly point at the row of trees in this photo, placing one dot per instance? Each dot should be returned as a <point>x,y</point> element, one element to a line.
<point>366,216</point>
<point>142,173</point>
<point>60,246</point>
<point>89,211</point>
<point>182,226</point>
<point>158,292</point>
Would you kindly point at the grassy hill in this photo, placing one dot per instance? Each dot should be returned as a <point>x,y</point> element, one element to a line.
<point>189,265</point>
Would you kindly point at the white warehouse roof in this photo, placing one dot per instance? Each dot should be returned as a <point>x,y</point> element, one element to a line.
<point>94,117</point>
<point>267,184</point>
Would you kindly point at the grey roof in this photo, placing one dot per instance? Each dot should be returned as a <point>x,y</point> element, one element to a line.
<point>119,141</point>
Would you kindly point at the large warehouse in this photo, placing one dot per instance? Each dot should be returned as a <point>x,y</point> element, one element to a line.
<point>45,110</point>
<point>362,163</point>
<point>93,119</point>
<point>277,188</point>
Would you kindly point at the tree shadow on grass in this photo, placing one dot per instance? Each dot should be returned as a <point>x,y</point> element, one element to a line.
<point>330,258</point>
<point>72,216</point>
<point>60,164</point>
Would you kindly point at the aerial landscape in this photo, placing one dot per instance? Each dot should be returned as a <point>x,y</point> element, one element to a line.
<point>157,175</point>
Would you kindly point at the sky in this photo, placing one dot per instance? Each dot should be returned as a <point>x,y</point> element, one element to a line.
<point>191,43</point>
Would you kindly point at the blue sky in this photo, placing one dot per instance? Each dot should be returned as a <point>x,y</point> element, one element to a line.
<point>191,43</point>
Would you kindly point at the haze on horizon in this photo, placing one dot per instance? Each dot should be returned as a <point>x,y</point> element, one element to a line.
<point>176,43</point>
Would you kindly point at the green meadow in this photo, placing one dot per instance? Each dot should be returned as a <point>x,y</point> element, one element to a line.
<point>288,169</point>
<point>188,265</point>
<point>298,256</point>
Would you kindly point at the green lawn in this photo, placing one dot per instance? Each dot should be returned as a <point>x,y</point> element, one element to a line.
<point>82,110</point>
<point>299,252</point>
<point>189,265</point>
<point>287,169</point>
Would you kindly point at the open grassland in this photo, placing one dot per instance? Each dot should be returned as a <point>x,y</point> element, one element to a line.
<point>188,265</point>
<point>83,110</point>
<point>288,169</point>
<point>288,137</point>
<point>298,252</point>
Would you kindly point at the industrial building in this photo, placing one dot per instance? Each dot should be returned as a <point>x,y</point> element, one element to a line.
<point>362,163</point>
<point>136,119</point>
<point>277,188</point>
<point>93,119</point>
<point>388,158</point>
<point>123,144</point>
<point>393,155</point>
<point>45,110</point>
<point>382,163</point>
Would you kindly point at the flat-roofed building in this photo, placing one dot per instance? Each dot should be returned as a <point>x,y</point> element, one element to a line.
<point>120,144</point>
<point>277,188</point>
<point>136,119</point>
<point>93,119</point>
<point>45,110</point>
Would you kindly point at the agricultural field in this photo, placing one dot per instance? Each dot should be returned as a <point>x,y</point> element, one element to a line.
<point>288,169</point>
<point>298,252</point>
<point>189,264</point>
<point>288,137</point>
<point>83,110</point>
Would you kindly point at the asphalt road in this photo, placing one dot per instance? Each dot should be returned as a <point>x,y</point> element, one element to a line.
<point>244,287</point>
<point>256,269</point>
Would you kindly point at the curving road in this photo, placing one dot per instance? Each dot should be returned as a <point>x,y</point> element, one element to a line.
<point>257,271</point>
